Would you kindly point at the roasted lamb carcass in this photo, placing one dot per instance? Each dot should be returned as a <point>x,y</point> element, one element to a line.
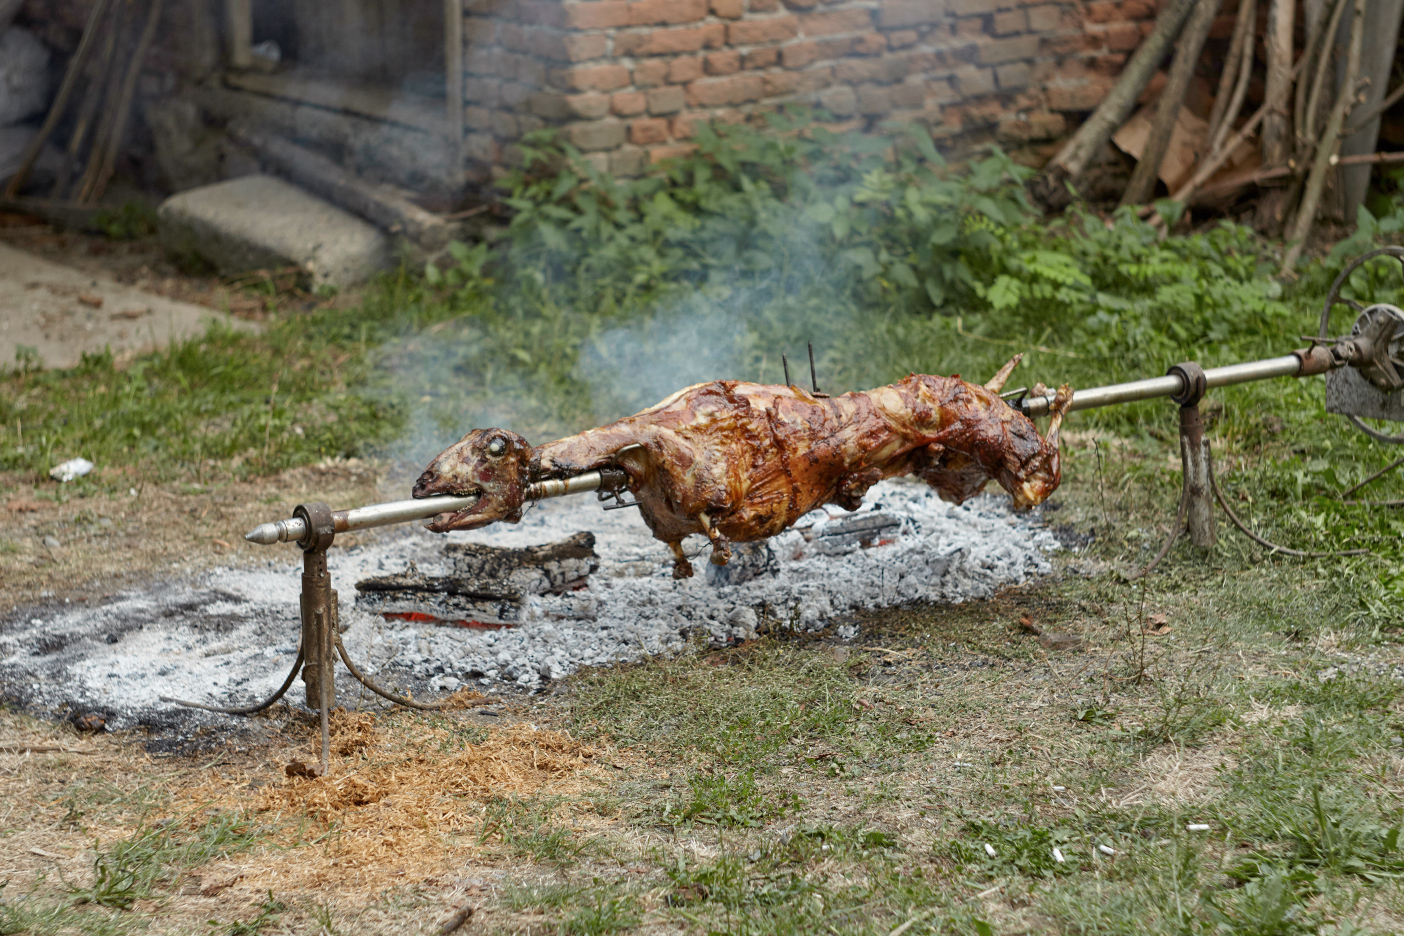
<point>742,461</point>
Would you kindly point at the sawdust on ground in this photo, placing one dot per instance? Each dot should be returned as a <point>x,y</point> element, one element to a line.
<point>404,800</point>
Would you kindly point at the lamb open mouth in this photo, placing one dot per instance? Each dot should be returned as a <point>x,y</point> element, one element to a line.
<point>450,520</point>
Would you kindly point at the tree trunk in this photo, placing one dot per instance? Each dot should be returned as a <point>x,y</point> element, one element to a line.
<point>1167,112</point>
<point>1277,125</point>
<point>1050,186</point>
<point>1330,142</point>
<point>1376,59</point>
<point>1239,45</point>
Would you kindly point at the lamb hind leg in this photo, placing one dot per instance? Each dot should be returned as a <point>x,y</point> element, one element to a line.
<point>681,567</point>
<point>721,546</point>
<point>1061,401</point>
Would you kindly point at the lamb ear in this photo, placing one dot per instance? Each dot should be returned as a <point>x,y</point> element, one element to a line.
<point>996,382</point>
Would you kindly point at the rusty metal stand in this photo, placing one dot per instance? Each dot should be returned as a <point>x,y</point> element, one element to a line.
<point>321,635</point>
<point>319,617</point>
<point>1198,493</point>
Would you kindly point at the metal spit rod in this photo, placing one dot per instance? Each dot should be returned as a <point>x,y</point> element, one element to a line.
<point>1289,365</point>
<point>374,515</point>
<point>1306,362</point>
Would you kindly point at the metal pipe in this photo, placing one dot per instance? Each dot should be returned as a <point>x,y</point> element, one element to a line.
<point>375,515</point>
<point>1288,365</point>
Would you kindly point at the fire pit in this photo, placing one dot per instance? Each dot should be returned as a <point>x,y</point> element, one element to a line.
<point>230,635</point>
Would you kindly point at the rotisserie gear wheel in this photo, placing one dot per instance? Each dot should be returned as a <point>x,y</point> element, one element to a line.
<point>1365,317</point>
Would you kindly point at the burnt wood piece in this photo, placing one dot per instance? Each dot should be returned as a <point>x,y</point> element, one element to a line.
<point>488,582</point>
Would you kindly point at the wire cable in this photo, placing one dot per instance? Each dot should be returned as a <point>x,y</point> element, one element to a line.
<point>246,709</point>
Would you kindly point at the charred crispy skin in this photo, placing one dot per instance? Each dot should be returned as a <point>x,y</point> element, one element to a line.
<point>743,461</point>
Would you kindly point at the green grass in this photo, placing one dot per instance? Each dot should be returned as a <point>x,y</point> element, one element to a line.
<point>226,404</point>
<point>139,867</point>
<point>795,790</point>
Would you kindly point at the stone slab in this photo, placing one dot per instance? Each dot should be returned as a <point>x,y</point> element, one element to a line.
<point>260,222</point>
<point>40,308</point>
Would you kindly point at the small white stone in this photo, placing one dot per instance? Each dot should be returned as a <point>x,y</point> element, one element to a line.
<point>989,849</point>
<point>1197,827</point>
<point>1058,855</point>
<point>1059,789</point>
<point>73,468</point>
<point>1106,849</point>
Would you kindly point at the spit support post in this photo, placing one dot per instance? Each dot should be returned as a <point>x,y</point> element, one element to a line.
<point>319,616</point>
<point>1197,491</point>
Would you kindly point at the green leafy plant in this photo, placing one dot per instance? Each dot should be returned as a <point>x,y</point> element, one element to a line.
<point>1021,849</point>
<point>132,220</point>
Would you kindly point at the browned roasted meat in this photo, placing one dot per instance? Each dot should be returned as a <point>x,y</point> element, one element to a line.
<point>743,461</point>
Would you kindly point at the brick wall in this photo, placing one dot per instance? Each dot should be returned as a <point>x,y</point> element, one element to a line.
<point>628,81</point>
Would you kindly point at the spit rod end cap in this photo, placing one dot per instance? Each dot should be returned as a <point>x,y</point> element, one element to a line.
<point>265,534</point>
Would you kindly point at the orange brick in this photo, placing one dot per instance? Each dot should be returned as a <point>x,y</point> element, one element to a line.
<point>648,130</point>
<point>836,21</point>
<point>592,77</point>
<point>683,70</point>
<point>751,32</point>
<point>684,126</point>
<point>896,14</point>
<point>601,14</point>
<point>1109,64</point>
<point>1101,11</point>
<point>1045,18</point>
<point>666,12</point>
<point>799,55</point>
<point>721,92</point>
<point>1118,37</point>
<point>870,44</point>
<point>628,103</point>
<point>667,100</point>
<point>725,62</point>
<point>1084,96</point>
<point>902,38</point>
<point>674,151</point>
<point>761,58</point>
<point>1009,23</point>
<point>727,9</point>
<point>763,6</point>
<point>779,83</point>
<point>650,73</point>
<point>1140,9</point>
<point>669,41</point>
<point>1070,44</point>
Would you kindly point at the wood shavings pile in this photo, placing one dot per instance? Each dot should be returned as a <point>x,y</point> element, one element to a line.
<point>403,800</point>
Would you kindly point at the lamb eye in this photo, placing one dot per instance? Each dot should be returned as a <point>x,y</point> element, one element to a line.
<point>496,447</point>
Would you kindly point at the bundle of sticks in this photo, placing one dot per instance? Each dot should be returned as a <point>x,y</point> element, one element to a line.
<point>105,68</point>
<point>1314,97</point>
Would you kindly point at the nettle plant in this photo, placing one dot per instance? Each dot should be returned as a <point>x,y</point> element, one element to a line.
<point>883,219</point>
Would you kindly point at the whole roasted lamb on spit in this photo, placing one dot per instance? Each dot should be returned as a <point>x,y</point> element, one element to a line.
<point>742,461</point>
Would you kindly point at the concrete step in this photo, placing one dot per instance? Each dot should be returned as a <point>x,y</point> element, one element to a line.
<point>261,222</point>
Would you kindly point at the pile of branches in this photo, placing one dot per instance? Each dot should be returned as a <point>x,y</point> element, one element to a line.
<point>1314,96</point>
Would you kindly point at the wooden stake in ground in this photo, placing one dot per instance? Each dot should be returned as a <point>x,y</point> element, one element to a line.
<point>1167,112</point>
<point>70,81</point>
<point>113,145</point>
<point>1050,185</point>
<point>1277,123</point>
<point>1220,129</point>
<point>1240,45</point>
<point>1212,163</point>
<point>1330,144</point>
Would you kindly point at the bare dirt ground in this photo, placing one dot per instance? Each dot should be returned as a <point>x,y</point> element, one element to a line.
<point>59,549</point>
